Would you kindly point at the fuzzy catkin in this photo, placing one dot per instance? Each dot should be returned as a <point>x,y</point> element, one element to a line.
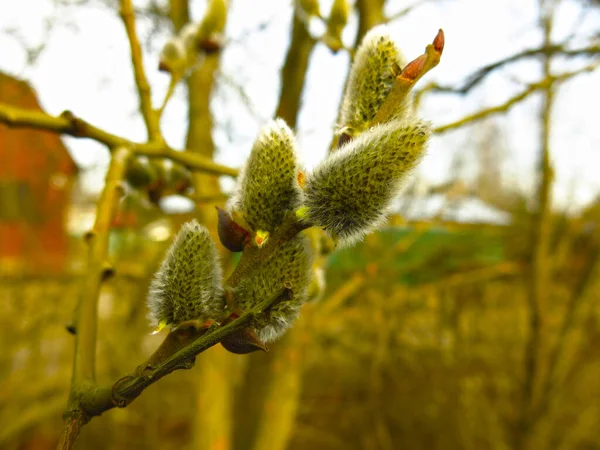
<point>349,193</point>
<point>268,186</point>
<point>370,81</point>
<point>187,285</point>
<point>291,262</point>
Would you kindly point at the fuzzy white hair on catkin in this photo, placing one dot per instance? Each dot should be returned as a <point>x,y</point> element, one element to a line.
<point>261,196</point>
<point>350,193</point>
<point>188,283</point>
<point>370,80</point>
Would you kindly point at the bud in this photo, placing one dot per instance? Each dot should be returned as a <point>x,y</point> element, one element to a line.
<point>370,81</point>
<point>210,30</point>
<point>188,284</point>
<point>291,263</point>
<point>173,57</point>
<point>268,185</point>
<point>338,18</point>
<point>231,234</point>
<point>349,193</point>
<point>139,173</point>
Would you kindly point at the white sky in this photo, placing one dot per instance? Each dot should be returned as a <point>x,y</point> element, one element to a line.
<point>86,68</point>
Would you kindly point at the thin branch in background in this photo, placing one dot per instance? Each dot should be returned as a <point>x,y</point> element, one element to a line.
<point>405,11</point>
<point>150,117</point>
<point>98,269</point>
<point>545,51</point>
<point>506,106</point>
<point>581,290</point>
<point>539,278</point>
<point>68,123</point>
<point>244,97</point>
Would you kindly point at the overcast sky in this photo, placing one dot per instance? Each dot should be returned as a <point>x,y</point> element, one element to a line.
<point>85,67</point>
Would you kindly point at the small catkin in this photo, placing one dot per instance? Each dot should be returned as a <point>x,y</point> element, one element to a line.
<point>188,284</point>
<point>139,173</point>
<point>291,262</point>
<point>173,56</point>
<point>370,81</point>
<point>348,195</point>
<point>268,186</point>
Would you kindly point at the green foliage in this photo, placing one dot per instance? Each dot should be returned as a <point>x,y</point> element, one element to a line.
<point>370,81</point>
<point>188,284</point>
<point>291,263</point>
<point>268,186</point>
<point>349,193</point>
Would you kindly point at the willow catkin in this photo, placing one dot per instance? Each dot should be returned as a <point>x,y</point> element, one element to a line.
<point>370,81</point>
<point>187,285</point>
<point>290,263</point>
<point>268,187</point>
<point>348,195</point>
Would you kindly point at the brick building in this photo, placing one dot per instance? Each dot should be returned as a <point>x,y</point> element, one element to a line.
<point>36,179</point>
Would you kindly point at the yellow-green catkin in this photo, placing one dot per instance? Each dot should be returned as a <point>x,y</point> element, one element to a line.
<point>370,81</point>
<point>173,56</point>
<point>268,187</point>
<point>291,262</point>
<point>348,195</point>
<point>187,285</point>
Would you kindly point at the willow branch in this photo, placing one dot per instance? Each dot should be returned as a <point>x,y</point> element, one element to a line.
<point>537,298</point>
<point>293,72</point>
<point>546,51</point>
<point>67,123</point>
<point>255,256</point>
<point>98,269</point>
<point>405,11</point>
<point>143,87</point>
<point>506,106</point>
<point>581,290</point>
<point>121,393</point>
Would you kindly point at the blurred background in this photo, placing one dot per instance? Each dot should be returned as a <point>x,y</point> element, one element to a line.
<point>471,321</point>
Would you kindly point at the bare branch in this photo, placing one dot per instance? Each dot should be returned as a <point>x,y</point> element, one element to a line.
<point>121,393</point>
<point>546,51</point>
<point>143,87</point>
<point>67,123</point>
<point>504,107</point>
<point>405,11</point>
<point>98,269</point>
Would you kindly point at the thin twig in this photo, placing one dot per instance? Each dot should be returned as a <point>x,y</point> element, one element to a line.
<point>98,268</point>
<point>126,389</point>
<point>143,87</point>
<point>68,123</point>
<point>537,298</point>
<point>405,11</point>
<point>172,84</point>
<point>504,107</point>
<point>551,50</point>
<point>581,290</point>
